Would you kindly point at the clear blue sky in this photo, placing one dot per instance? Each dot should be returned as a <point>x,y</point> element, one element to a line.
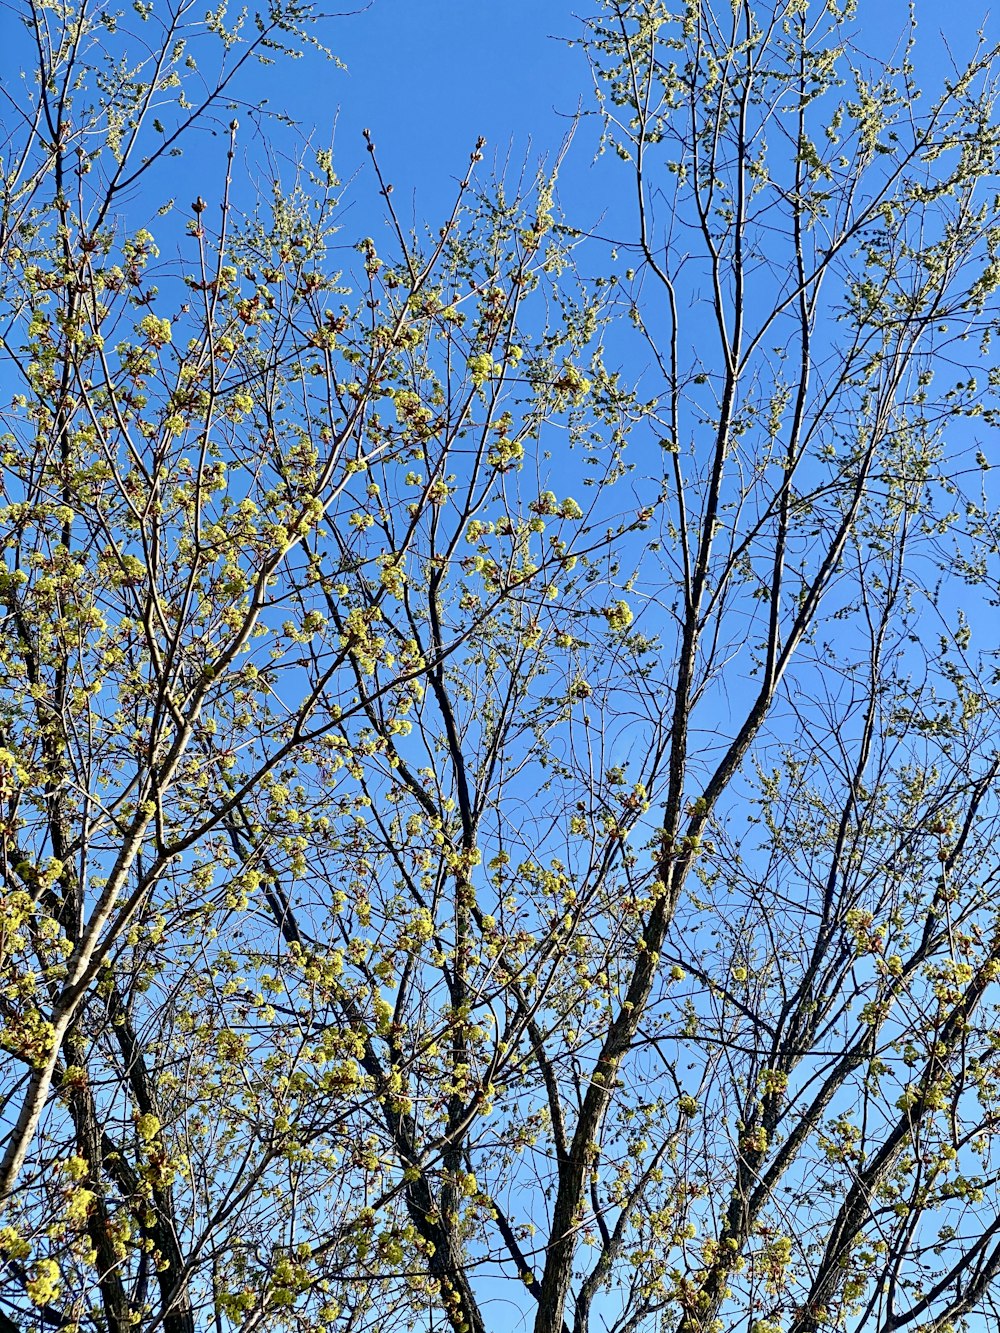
<point>428,76</point>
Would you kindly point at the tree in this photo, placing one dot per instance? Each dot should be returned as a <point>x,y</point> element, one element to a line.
<point>484,832</point>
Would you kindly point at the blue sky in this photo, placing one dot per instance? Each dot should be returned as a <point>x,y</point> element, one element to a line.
<point>428,76</point>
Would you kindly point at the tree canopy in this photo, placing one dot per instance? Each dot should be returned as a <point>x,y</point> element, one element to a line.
<point>499,719</point>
